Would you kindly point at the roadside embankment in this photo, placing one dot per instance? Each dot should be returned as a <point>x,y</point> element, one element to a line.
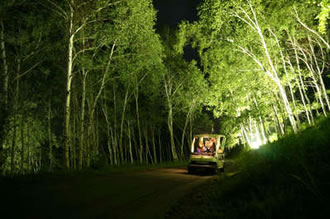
<point>286,179</point>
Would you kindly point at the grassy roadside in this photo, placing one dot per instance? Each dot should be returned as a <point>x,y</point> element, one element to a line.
<point>59,175</point>
<point>286,179</point>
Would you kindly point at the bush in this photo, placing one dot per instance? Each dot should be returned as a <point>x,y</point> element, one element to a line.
<point>285,179</point>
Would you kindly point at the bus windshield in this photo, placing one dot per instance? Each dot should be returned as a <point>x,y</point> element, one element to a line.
<point>205,145</point>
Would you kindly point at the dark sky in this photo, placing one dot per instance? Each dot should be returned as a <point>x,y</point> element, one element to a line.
<point>172,12</point>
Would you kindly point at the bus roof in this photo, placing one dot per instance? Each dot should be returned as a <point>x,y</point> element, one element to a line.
<point>209,135</point>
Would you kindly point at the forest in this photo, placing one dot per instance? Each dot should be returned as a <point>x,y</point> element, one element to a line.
<point>88,84</point>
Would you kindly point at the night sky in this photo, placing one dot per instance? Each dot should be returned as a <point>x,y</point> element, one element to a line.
<point>172,12</point>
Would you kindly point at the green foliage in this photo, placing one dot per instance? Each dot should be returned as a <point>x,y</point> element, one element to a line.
<point>28,135</point>
<point>185,78</point>
<point>323,16</point>
<point>241,45</point>
<point>121,68</point>
<point>286,179</point>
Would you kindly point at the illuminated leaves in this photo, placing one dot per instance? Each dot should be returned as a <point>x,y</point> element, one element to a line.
<point>323,16</point>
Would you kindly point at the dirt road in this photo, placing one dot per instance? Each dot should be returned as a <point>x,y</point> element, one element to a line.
<point>142,194</point>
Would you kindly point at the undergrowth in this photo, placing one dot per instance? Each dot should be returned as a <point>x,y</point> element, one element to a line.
<point>289,178</point>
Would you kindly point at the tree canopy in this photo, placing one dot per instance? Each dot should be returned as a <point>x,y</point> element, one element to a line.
<point>93,83</point>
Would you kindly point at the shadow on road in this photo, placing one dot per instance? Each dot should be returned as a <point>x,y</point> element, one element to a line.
<point>147,194</point>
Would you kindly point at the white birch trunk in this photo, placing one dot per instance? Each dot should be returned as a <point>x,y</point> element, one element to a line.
<point>319,73</point>
<point>122,124</point>
<point>253,23</point>
<point>130,142</point>
<point>168,91</point>
<point>67,134</point>
<point>278,120</point>
<point>5,65</point>
<point>82,120</point>
<point>154,146</point>
<point>136,94</point>
<point>185,127</point>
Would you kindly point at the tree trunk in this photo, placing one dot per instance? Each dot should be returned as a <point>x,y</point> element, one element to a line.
<point>114,146</point>
<point>138,124</point>
<point>50,139</point>
<point>170,128</point>
<point>105,113</point>
<point>297,78</point>
<point>89,132</point>
<point>130,142</point>
<point>82,115</point>
<point>319,73</point>
<point>319,94</point>
<point>281,113</point>
<point>122,125</point>
<point>312,31</point>
<point>82,120</point>
<point>287,105</point>
<point>312,74</point>
<point>74,135</point>
<point>245,134</point>
<point>114,130</point>
<point>94,104</point>
<point>182,137</point>
<point>262,130</point>
<point>190,131</point>
<point>67,135</point>
<point>29,167</point>
<point>154,145</point>
<point>184,128</point>
<point>160,147</point>
<point>4,98</point>
<point>243,139</point>
<point>295,45</point>
<point>168,90</point>
<point>278,120</point>
<point>273,74</point>
<point>13,146</point>
<point>22,145</point>
<point>146,136</point>
<point>287,77</point>
<point>135,143</point>
<point>5,66</point>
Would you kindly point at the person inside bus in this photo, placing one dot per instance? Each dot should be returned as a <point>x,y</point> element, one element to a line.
<point>201,147</point>
<point>210,146</point>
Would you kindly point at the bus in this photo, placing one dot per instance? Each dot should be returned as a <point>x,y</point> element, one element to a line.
<point>207,152</point>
